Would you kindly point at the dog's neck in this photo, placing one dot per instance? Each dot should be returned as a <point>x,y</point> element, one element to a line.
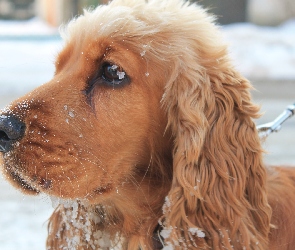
<point>124,219</point>
<point>125,224</point>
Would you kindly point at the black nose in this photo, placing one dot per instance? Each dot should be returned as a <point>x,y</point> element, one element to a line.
<point>11,130</point>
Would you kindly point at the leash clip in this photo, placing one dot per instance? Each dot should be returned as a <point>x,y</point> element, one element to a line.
<point>266,129</point>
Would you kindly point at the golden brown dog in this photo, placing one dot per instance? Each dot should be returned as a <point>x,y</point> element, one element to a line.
<point>145,138</point>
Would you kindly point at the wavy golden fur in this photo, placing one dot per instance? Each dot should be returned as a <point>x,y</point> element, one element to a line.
<point>171,147</point>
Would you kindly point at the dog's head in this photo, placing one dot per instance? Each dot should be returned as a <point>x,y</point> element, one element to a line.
<point>99,119</point>
<point>145,95</point>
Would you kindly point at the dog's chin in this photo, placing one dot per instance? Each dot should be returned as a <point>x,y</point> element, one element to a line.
<point>24,186</point>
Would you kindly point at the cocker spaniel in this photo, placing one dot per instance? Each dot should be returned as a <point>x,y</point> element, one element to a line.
<point>145,138</point>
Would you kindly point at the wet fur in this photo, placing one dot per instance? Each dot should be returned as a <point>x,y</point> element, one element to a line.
<point>182,129</point>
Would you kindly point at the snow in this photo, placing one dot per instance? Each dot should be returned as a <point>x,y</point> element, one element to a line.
<point>167,205</point>
<point>22,219</point>
<point>121,75</point>
<point>263,52</point>
<point>77,218</point>
<point>169,246</point>
<point>33,27</point>
<point>196,231</point>
<point>27,52</point>
<point>25,64</point>
<point>114,67</point>
<point>165,232</point>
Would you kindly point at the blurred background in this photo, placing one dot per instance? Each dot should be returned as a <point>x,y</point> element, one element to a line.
<point>261,38</point>
<point>55,12</point>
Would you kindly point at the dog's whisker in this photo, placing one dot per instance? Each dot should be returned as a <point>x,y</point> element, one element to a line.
<point>147,169</point>
<point>134,181</point>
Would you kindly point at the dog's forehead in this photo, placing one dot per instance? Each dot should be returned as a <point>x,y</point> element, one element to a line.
<point>137,19</point>
<point>103,31</point>
<point>104,21</point>
<point>156,31</point>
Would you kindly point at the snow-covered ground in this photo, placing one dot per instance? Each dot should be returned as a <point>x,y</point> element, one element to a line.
<point>27,52</point>
<point>33,27</point>
<point>263,52</point>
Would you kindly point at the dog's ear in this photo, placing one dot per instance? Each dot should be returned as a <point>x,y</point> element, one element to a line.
<point>218,194</point>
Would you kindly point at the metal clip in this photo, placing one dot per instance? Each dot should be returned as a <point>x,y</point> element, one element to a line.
<point>266,129</point>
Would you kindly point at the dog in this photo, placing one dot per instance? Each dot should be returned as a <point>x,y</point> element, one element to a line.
<point>145,138</point>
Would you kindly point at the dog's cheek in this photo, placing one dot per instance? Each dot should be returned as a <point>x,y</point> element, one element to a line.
<point>122,122</point>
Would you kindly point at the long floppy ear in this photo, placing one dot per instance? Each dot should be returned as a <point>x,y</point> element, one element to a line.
<point>218,196</point>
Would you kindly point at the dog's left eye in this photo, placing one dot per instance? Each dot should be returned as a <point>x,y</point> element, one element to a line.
<point>113,74</point>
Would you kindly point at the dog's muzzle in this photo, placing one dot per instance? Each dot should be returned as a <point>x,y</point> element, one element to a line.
<point>11,131</point>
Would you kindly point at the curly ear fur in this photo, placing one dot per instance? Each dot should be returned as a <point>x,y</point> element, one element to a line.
<point>218,194</point>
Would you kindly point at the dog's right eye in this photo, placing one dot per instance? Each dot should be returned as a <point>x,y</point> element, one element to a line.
<point>113,74</point>
<point>110,75</point>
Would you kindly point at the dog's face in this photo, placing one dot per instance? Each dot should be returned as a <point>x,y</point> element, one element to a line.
<point>94,125</point>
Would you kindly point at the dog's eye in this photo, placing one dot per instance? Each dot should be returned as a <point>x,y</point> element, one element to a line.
<point>110,75</point>
<point>113,74</point>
